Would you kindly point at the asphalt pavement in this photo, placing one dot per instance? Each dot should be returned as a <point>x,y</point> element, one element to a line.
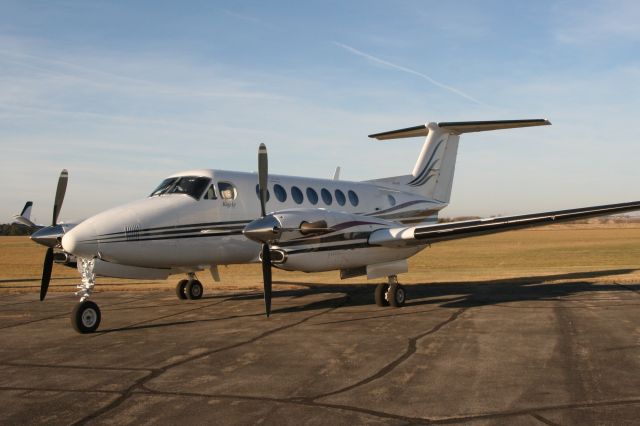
<point>509,352</point>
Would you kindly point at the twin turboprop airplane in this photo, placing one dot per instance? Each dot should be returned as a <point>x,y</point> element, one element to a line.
<point>200,219</point>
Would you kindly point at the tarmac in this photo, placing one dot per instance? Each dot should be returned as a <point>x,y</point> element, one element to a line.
<point>523,352</point>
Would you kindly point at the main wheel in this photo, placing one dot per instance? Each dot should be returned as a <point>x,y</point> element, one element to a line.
<point>85,317</point>
<point>380,293</point>
<point>396,295</point>
<point>181,289</point>
<point>194,290</point>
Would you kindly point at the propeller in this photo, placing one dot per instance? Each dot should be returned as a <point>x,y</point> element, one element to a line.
<point>263,174</point>
<point>48,258</point>
<point>268,229</point>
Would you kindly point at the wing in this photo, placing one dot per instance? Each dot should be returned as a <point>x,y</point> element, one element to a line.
<point>427,234</point>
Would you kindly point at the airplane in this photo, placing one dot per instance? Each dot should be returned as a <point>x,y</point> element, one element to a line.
<point>199,219</point>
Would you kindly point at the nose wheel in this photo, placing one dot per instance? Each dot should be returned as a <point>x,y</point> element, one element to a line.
<point>85,317</point>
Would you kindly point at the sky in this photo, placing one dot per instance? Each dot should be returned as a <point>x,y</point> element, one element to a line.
<point>125,93</point>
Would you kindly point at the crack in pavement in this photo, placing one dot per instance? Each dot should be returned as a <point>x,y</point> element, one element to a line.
<point>544,420</point>
<point>533,411</point>
<point>74,367</point>
<point>411,349</point>
<point>393,315</point>
<point>30,389</point>
<point>140,383</point>
<point>137,324</point>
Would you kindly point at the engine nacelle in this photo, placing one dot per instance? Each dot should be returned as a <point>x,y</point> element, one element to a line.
<point>297,224</point>
<point>313,240</point>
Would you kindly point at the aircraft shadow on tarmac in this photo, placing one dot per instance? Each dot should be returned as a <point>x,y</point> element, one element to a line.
<point>445,295</point>
<point>478,293</point>
<point>457,294</point>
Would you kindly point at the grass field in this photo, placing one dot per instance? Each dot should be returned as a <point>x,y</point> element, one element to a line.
<point>597,253</point>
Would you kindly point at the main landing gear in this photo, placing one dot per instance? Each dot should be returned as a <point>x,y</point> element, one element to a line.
<point>391,293</point>
<point>189,289</point>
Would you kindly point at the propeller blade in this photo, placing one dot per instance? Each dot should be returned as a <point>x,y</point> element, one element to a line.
<point>46,273</point>
<point>60,191</point>
<point>266,276</point>
<point>263,174</point>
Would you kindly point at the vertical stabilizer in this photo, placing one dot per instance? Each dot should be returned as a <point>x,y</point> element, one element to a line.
<point>432,176</point>
<point>24,218</point>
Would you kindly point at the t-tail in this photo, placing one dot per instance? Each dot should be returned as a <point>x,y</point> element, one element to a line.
<point>432,176</point>
<point>24,218</point>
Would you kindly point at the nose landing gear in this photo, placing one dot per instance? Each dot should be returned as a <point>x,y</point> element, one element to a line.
<point>85,317</point>
<point>189,289</point>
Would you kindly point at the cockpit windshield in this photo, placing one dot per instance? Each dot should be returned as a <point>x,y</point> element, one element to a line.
<point>193,186</point>
<point>164,186</point>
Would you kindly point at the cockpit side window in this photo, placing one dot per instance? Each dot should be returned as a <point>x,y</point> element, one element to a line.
<point>227,190</point>
<point>164,186</point>
<point>210,194</point>
<point>193,186</point>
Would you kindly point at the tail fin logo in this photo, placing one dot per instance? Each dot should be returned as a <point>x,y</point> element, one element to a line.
<point>429,170</point>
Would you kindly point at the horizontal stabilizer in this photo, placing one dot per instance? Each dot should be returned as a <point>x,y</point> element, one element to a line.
<point>459,127</point>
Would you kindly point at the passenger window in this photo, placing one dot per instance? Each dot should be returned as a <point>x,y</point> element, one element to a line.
<point>227,191</point>
<point>340,198</point>
<point>312,195</point>
<point>392,199</point>
<point>326,197</point>
<point>258,193</point>
<point>281,194</point>
<point>296,194</point>
<point>210,194</point>
<point>353,198</point>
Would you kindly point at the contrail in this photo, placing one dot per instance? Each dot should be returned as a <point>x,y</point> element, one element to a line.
<point>409,71</point>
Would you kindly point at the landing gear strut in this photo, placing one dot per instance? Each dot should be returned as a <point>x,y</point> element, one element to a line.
<point>85,317</point>
<point>189,289</point>
<point>390,293</point>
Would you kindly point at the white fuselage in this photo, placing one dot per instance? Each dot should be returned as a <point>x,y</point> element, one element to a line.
<point>183,233</point>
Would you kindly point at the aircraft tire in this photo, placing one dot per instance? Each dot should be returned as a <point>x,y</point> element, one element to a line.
<point>396,295</point>
<point>85,317</point>
<point>380,291</point>
<point>181,289</point>
<point>194,290</point>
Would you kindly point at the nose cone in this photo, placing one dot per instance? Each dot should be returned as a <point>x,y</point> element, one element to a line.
<point>81,241</point>
<point>49,236</point>
<point>263,230</point>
